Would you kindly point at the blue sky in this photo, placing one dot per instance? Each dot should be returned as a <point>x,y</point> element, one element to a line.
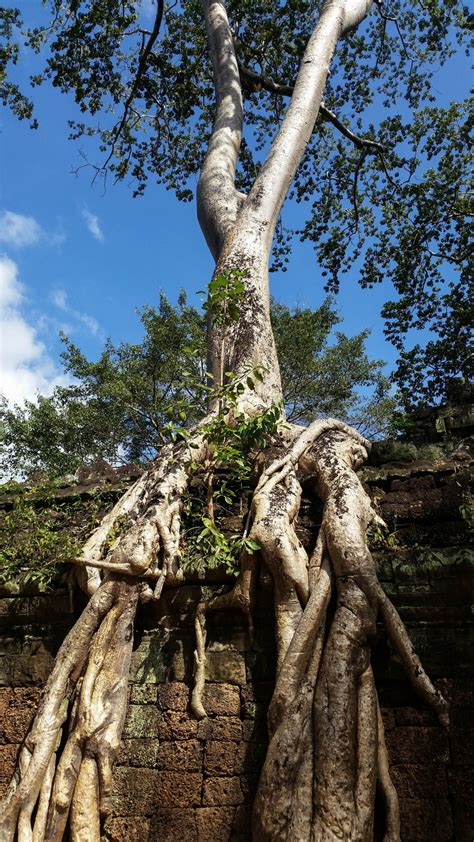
<point>78,259</point>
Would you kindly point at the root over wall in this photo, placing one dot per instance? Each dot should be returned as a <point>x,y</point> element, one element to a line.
<point>177,778</point>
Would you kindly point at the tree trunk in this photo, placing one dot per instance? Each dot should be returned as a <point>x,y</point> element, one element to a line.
<point>326,746</point>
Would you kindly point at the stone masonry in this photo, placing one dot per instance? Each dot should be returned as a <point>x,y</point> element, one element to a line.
<point>180,780</point>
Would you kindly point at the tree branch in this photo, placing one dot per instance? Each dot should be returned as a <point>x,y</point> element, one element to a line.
<point>218,200</point>
<point>142,63</point>
<point>255,82</point>
<point>273,181</point>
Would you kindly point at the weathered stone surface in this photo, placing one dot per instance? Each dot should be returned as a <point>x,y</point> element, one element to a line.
<point>223,758</point>
<point>173,826</point>
<point>126,829</point>
<point>410,744</point>
<point>462,786</point>
<point>173,696</point>
<point>421,782</point>
<point>8,755</point>
<point>181,754</point>
<point>139,752</point>
<point>227,758</point>
<point>177,725</point>
<point>222,791</point>
<point>17,708</point>
<point>143,694</point>
<point>144,791</point>
<point>426,821</point>
<point>222,699</point>
<point>214,823</point>
<point>150,660</point>
<point>142,721</point>
<point>226,666</point>
<point>220,728</point>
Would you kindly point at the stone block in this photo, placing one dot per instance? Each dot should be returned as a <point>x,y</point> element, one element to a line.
<point>228,758</point>
<point>462,736</point>
<point>173,696</point>
<point>126,829</point>
<point>179,755</point>
<point>142,792</point>
<point>177,725</point>
<point>17,708</point>
<point>222,792</point>
<point>420,782</point>
<point>461,787</point>
<point>8,755</point>
<point>139,752</point>
<point>222,699</point>
<point>220,728</point>
<point>173,826</point>
<point>426,820</point>
<point>214,823</point>
<point>150,661</point>
<point>410,744</point>
<point>143,694</point>
<point>142,721</point>
<point>227,666</point>
<point>223,758</point>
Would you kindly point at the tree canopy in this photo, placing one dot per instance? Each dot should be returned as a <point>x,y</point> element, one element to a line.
<point>126,405</point>
<point>383,184</point>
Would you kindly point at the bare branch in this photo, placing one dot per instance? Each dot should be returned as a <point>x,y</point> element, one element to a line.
<point>260,81</point>
<point>142,64</point>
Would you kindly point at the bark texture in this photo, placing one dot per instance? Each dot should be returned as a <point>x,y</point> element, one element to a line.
<point>327,746</point>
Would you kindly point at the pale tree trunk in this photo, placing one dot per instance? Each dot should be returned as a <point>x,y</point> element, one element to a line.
<point>326,739</point>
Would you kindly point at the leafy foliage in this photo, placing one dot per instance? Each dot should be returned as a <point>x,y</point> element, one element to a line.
<point>41,533</point>
<point>135,397</point>
<point>143,89</point>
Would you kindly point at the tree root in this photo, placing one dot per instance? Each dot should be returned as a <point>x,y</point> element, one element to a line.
<point>327,746</point>
<point>65,774</point>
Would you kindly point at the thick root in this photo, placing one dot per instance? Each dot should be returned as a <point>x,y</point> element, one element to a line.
<point>327,745</point>
<point>342,746</point>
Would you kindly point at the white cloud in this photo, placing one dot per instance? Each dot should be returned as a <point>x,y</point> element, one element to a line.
<point>18,230</point>
<point>60,300</point>
<point>25,367</point>
<point>92,222</point>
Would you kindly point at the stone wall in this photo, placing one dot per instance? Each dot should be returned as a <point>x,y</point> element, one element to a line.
<point>179,779</point>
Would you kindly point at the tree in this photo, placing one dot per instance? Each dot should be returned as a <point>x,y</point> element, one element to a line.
<point>374,200</point>
<point>126,405</point>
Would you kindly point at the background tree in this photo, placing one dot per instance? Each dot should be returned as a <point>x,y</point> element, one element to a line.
<point>126,405</point>
<point>374,198</point>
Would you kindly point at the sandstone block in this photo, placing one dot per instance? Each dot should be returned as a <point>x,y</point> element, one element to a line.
<point>142,721</point>
<point>222,792</point>
<point>143,694</point>
<point>228,666</point>
<point>173,696</point>
<point>426,821</point>
<point>214,823</point>
<point>420,782</point>
<point>17,708</point>
<point>139,752</point>
<point>180,755</point>
<point>410,744</point>
<point>126,829</point>
<point>143,792</point>
<point>173,826</point>
<point>177,725</point>
<point>220,728</point>
<point>222,699</point>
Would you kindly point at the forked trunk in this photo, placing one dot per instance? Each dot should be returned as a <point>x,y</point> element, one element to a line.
<point>327,745</point>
